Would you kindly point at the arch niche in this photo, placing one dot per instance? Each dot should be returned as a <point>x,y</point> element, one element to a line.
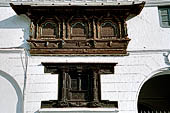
<point>154,94</point>
<point>10,95</point>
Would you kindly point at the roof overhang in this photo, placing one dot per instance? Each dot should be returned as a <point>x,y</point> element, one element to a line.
<point>127,10</point>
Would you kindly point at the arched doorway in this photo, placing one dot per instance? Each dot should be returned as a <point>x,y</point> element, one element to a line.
<point>11,100</point>
<point>155,95</point>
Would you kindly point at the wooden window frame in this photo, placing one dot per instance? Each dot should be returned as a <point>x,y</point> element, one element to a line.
<point>81,98</point>
<point>56,31</point>
<point>115,30</point>
<point>90,97</point>
<point>161,16</point>
<point>75,24</point>
<point>77,20</point>
<point>79,90</point>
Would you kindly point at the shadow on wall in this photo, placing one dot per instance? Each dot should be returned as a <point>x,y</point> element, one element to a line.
<point>14,87</point>
<point>17,22</point>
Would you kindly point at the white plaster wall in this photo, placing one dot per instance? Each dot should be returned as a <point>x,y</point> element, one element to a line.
<point>8,97</point>
<point>145,31</point>
<point>13,62</point>
<point>123,86</point>
<point>14,29</point>
<point>11,94</point>
<point>12,76</point>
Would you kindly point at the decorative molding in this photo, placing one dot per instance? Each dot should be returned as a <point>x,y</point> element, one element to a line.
<point>11,50</point>
<point>149,3</point>
<point>82,110</point>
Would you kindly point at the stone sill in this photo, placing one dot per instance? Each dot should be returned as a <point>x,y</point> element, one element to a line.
<point>78,110</point>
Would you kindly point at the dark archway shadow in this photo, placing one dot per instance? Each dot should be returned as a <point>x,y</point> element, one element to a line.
<point>155,94</point>
<point>18,22</point>
<point>12,81</point>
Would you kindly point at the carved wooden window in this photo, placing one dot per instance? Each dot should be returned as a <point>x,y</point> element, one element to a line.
<point>109,30</point>
<point>76,88</point>
<point>49,30</point>
<point>79,86</point>
<point>78,30</point>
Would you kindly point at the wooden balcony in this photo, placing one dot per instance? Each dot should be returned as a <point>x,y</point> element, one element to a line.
<point>79,30</point>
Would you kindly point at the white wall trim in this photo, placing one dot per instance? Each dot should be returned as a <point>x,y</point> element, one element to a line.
<point>81,110</point>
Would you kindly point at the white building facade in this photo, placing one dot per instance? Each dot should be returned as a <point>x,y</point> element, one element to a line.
<point>140,78</point>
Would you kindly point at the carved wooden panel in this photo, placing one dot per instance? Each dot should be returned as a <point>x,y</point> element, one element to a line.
<point>74,84</point>
<point>78,29</point>
<point>79,86</point>
<point>79,96</point>
<point>108,30</point>
<point>49,29</point>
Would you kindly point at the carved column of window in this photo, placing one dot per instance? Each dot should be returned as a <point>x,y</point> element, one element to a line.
<point>69,87</point>
<point>59,30</point>
<point>94,29</point>
<point>68,30</point>
<point>64,30</point>
<point>32,31</point>
<point>98,29</point>
<point>95,89</point>
<point>120,29</point>
<point>59,27</point>
<point>125,29</point>
<point>89,30</point>
<point>64,101</point>
<point>37,32</point>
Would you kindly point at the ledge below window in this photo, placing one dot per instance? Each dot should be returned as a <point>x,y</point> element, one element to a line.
<point>81,47</point>
<point>78,110</point>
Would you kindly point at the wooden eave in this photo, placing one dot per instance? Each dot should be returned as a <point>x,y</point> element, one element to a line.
<point>58,64</point>
<point>81,65</point>
<point>127,11</point>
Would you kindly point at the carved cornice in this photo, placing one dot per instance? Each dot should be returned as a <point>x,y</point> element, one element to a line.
<point>124,10</point>
<point>103,68</point>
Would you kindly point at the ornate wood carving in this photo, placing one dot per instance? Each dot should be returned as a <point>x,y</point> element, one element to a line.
<point>109,30</point>
<point>79,84</point>
<point>79,29</point>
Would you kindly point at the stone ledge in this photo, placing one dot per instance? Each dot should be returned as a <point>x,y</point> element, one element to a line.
<point>78,110</point>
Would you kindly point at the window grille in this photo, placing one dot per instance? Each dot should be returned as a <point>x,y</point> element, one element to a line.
<point>164,14</point>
